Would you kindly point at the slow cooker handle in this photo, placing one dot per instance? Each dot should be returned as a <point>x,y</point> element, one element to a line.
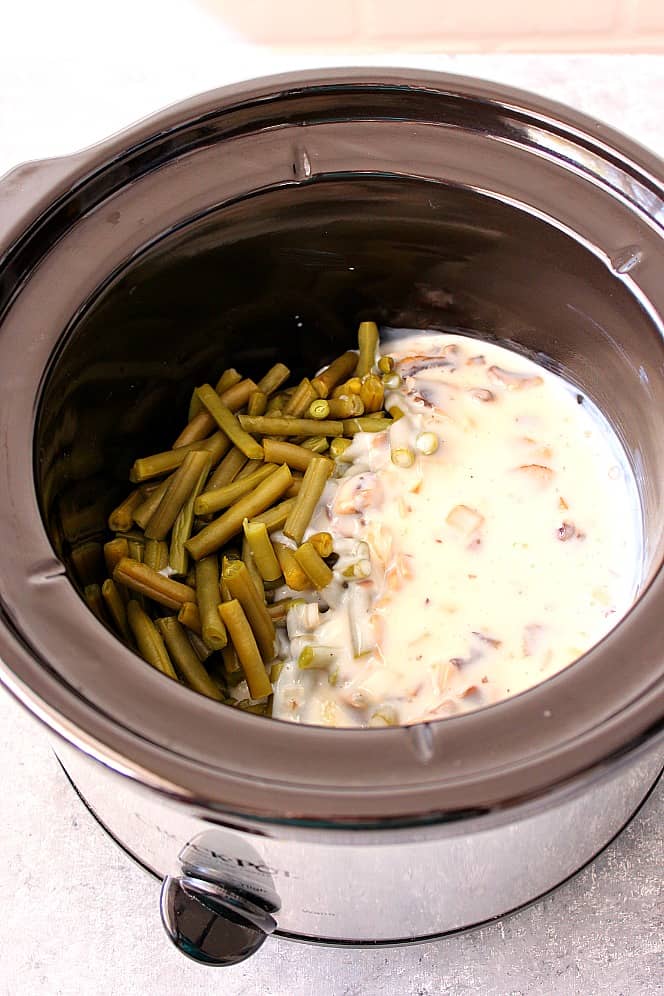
<point>212,923</point>
<point>27,190</point>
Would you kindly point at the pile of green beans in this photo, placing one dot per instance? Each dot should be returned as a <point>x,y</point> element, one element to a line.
<point>192,565</point>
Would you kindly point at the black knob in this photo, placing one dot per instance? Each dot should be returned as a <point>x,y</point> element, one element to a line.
<point>210,923</point>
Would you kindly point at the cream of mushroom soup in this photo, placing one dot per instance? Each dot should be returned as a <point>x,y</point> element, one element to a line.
<point>486,540</point>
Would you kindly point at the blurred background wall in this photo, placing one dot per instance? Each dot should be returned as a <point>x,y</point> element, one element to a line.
<point>450,25</point>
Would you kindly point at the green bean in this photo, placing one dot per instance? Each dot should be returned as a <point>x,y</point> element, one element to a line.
<point>228,423</point>
<point>141,578</point>
<point>372,394</point>
<point>136,549</point>
<point>114,551</point>
<point>317,657</point>
<point>176,494</point>
<point>190,617</point>
<point>317,444</point>
<point>218,532</point>
<point>232,666</point>
<point>116,608</point>
<point>207,593</point>
<point>298,405</point>
<point>257,403</point>
<point>293,574</point>
<point>351,386</point>
<point>297,457</point>
<point>276,516</point>
<point>322,543</point>
<point>241,587</point>
<point>249,562</point>
<point>338,447</point>
<point>370,423</point>
<point>338,370</point>
<point>163,463</point>
<point>201,649</point>
<point>262,550</point>
<point>274,378</point>
<point>313,565</point>
<point>315,479</point>
<point>385,364</point>
<point>148,640</point>
<point>121,518</point>
<point>155,554</point>
<point>228,379</point>
<point>93,596</point>
<point>246,648</point>
<point>178,558</point>
<point>348,406</point>
<point>184,657</point>
<point>213,501</point>
<point>228,469</point>
<point>266,425</point>
<point>202,423</point>
<point>249,468</point>
<point>367,339</point>
<point>146,509</point>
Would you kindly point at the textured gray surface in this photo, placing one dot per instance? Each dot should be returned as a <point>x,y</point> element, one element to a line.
<point>78,917</point>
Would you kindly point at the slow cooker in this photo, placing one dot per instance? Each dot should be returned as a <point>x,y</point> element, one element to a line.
<point>261,222</point>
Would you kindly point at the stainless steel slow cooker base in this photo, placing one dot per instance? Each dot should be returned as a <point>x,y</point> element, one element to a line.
<point>413,892</point>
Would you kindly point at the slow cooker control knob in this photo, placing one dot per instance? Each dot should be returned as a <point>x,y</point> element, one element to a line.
<point>211,923</point>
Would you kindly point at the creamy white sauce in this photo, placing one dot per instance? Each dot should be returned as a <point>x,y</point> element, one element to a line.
<point>492,563</point>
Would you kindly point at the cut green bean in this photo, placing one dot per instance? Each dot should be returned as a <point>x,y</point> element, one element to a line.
<point>155,554</point>
<point>234,398</point>
<point>207,595</point>
<point>293,574</point>
<point>317,444</point>
<point>246,648</point>
<point>116,608</point>
<point>299,404</point>
<point>176,495</point>
<point>257,403</point>
<point>221,530</point>
<point>232,666</point>
<point>297,457</point>
<point>148,640</point>
<point>367,340</point>
<point>201,649</point>
<point>262,550</point>
<point>185,659</point>
<point>228,469</point>
<point>274,378</point>
<point>322,543</point>
<point>190,617</point>
<point>228,423</point>
<point>315,479</point>
<point>339,370</point>
<point>228,379</point>
<point>141,578</point>
<point>146,509</point>
<point>241,587</point>
<point>370,423</point>
<point>313,565</point>
<point>136,549</point>
<point>276,516</point>
<point>114,551</point>
<point>338,447</point>
<point>317,657</point>
<point>178,558</point>
<point>249,562</point>
<point>213,501</point>
<point>266,425</point>
<point>122,518</point>
<point>371,394</point>
<point>146,468</point>
<point>249,468</point>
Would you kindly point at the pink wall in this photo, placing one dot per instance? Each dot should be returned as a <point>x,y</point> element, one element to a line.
<point>449,25</point>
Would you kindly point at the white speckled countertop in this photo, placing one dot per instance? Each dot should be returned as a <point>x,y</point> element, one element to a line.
<point>78,916</point>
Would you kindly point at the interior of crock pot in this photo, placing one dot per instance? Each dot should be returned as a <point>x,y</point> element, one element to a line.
<point>286,275</point>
